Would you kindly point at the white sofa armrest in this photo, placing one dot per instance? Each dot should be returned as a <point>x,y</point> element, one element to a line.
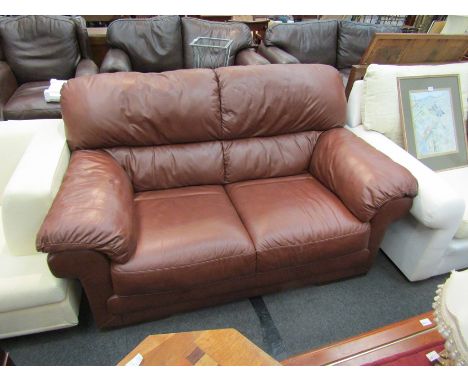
<point>437,204</point>
<point>355,99</point>
<point>32,188</point>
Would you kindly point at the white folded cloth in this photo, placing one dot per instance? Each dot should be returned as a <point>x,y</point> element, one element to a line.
<point>52,93</point>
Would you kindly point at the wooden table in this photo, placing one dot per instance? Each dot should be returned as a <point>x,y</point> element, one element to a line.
<point>223,347</point>
<point>98,44</point>
<point>372,346</point>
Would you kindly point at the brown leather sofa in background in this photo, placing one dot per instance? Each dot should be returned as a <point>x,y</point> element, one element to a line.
<point>161,43</point>
<point>337,43</point>
<point>33,50</point>
<point>197,187</point>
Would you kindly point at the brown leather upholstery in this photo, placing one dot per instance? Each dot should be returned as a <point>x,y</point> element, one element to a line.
<point>28,102</point>
<point>357,174</point>
<point>276,55</point>
<point>250,57</point>
<point>152,45</point>
<point>247,94</point>
<point>354,38</point>
<point>36,49</point>
<point>187,237</point>
<point>162,43</point>
<point>337,43</point>
<point>196,187</point>
<point>295,220</point>
<point>308,41</point>
<point>184,108</point>
<point>96,195</point>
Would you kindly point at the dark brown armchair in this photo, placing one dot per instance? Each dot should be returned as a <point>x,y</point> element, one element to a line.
<point>162,43</point>
<point>34,49</point>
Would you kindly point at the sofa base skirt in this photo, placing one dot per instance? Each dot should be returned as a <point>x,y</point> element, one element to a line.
<point>125,310</point>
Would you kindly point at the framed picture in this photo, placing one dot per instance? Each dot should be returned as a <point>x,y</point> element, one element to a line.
<point>432,119</point>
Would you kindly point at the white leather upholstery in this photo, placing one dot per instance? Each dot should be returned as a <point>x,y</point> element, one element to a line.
<point>430,240</point>
<point>353,112</point>
<point>458,179</point>
<point>31,298</point>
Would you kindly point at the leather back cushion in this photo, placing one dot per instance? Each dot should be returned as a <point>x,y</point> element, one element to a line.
<point>354,38</point>
<point>217,162</point>
<point>153,45</point>
<point>141,109</point>
<point>169,166</point>
<point>203,126</point>
<point>268,157</point>
<point>39,48</point>
<point>267,100</point>
<point>193,28</point>
<point>308,41</point>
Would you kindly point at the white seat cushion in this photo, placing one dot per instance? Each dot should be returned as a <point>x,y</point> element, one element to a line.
<point>26,281</point>
<point>458,178</point>
<point>381,110</point>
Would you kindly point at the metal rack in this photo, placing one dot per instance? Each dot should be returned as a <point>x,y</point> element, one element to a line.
<point>211,52</point>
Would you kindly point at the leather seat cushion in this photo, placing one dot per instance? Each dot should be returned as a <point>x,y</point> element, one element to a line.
<point>27,102</point>
<point>186,237</point>
<point>295,220</point>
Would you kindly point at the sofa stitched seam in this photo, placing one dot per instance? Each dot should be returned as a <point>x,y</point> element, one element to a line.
<point>84,245</point>
<point>275,180</point>
<point>181,266</point>
<point>221,124</point>
<point>231,257</point>
<point>318,241</point>
<point>175,197</point>
<point>220,281</point>
<point>244,226</point>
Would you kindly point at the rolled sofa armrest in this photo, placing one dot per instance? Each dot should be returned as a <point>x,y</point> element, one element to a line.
<point>437,205</point>
<point>33,186</point>
<point>93,209</point>
<point>250,57</point>
<point>116,60</point>
<point>361,176</point>
<point>276,55</point>
<point>86,67</point>
<point>8,85</point>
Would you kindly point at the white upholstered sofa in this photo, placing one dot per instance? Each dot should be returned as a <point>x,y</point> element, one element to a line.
<point>433,238</point>
<point>33,158</point>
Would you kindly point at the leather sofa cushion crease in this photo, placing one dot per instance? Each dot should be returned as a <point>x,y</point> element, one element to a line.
<point>199,186</point>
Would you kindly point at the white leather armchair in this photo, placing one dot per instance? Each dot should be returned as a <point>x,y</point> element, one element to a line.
<point>33,158</point>
<point>432,239</point>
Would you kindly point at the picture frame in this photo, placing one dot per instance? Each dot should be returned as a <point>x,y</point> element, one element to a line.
<point>432,120</point>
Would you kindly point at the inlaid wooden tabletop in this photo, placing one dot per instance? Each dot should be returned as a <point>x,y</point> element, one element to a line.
<point>223,347</point>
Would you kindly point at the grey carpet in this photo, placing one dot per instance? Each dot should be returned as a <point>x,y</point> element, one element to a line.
<point>282,324</point>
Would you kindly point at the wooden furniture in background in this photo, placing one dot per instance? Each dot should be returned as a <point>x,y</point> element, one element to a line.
<point>98,44</point>
<point>372,346</point>
<point>257,27</point>
<point>222,347</point>
<point>407,49</point>
<point>219,18</point>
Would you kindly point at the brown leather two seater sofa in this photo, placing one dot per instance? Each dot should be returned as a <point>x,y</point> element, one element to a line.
<point>197,187</point>
<point>33,50</point>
